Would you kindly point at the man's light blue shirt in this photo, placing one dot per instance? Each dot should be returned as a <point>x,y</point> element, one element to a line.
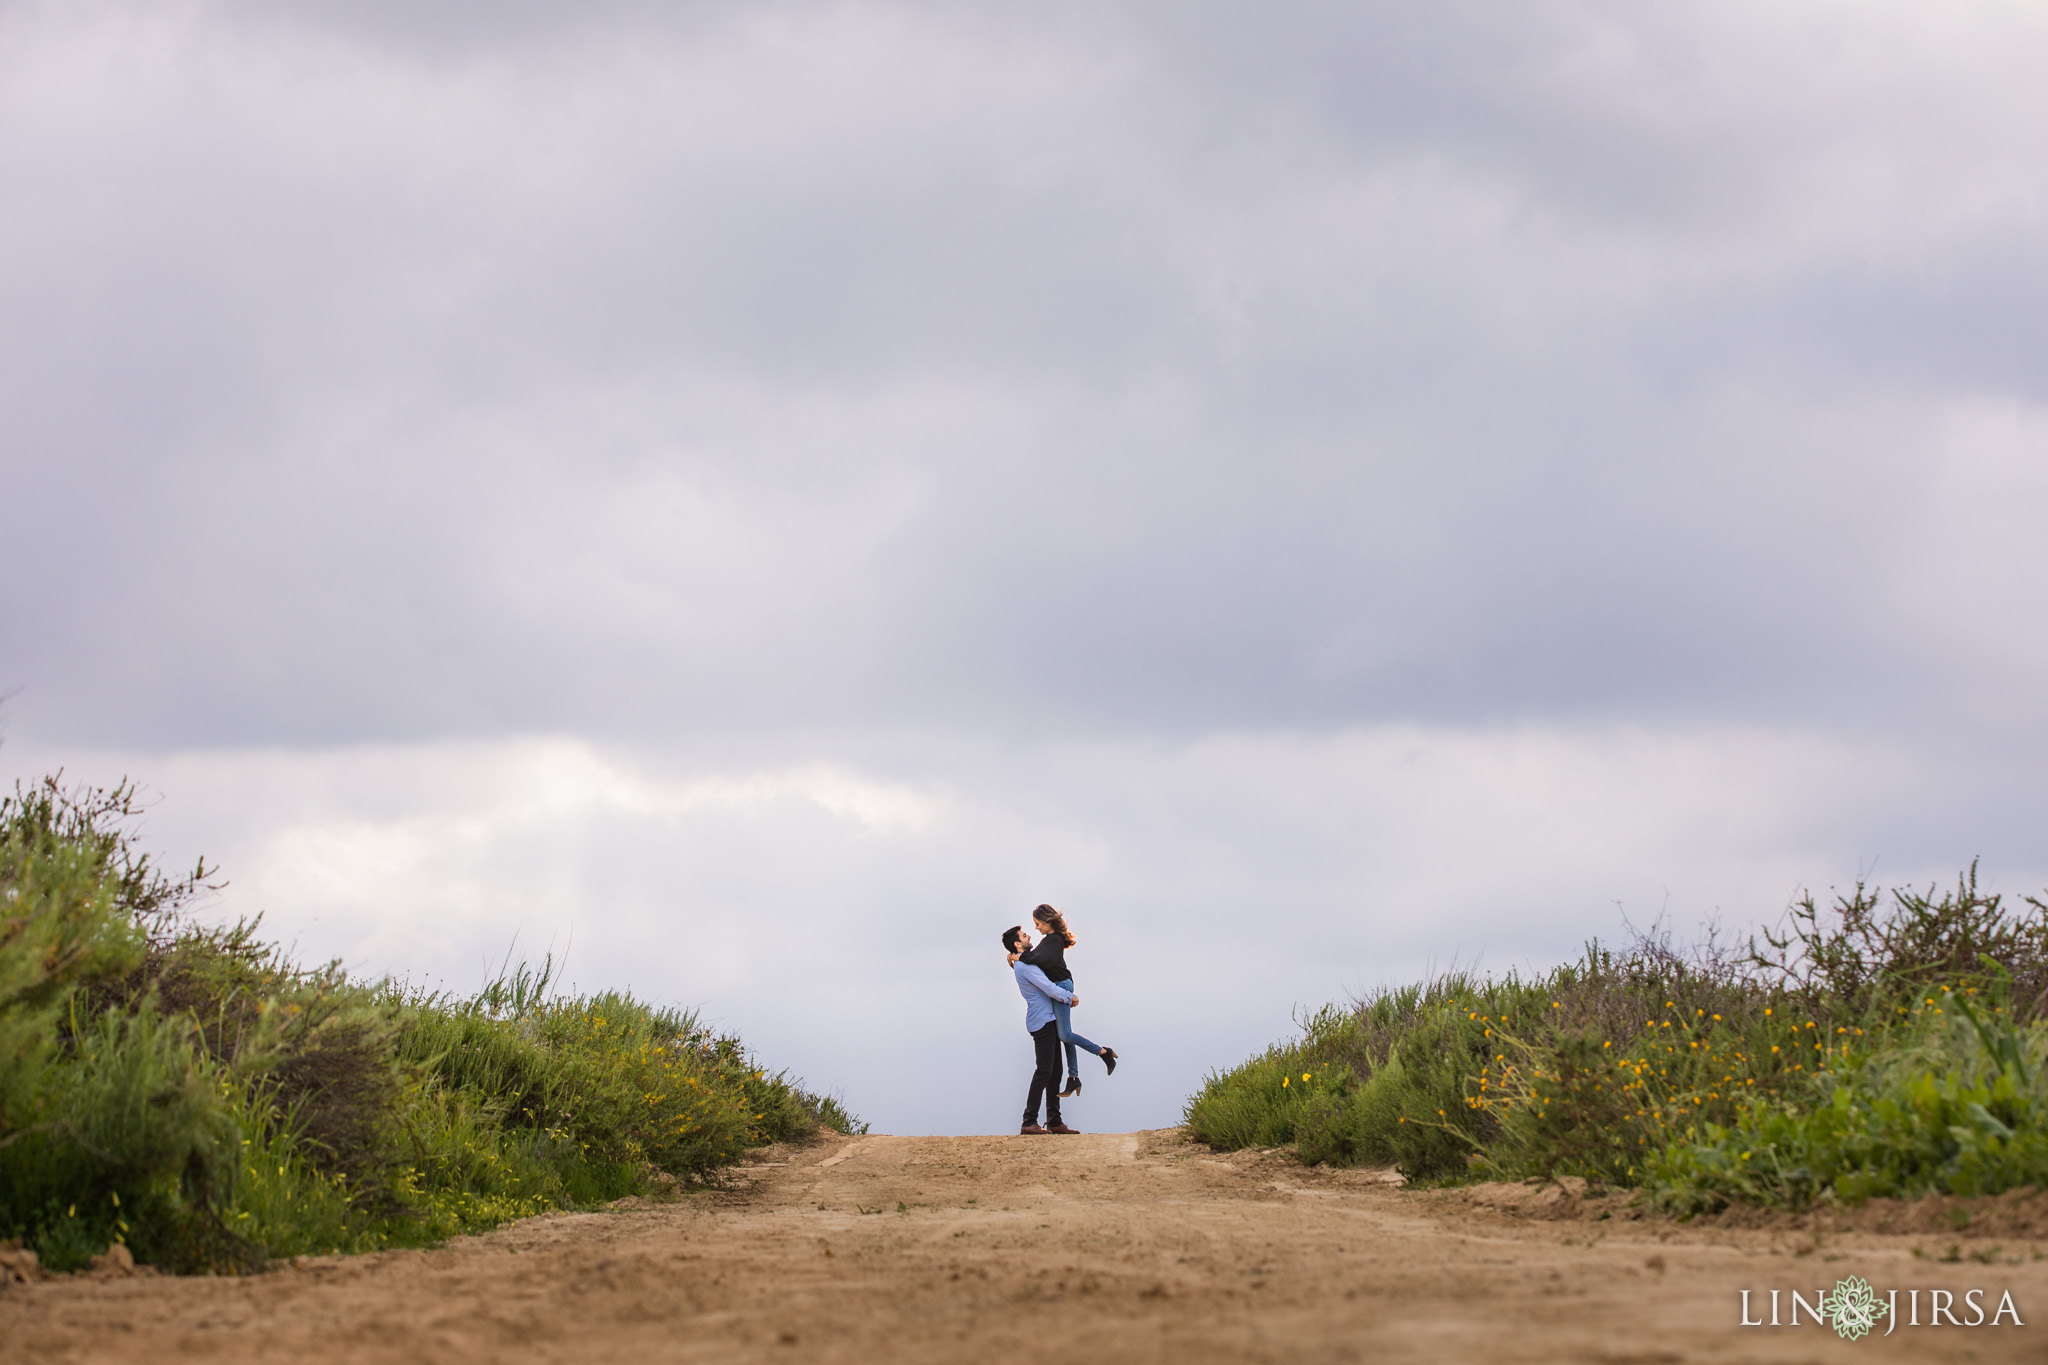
<point>1039,993</point>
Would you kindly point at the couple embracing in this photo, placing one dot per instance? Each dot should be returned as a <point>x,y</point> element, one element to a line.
<point>1048,990</point>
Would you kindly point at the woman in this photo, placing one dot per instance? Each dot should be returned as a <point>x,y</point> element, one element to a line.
<point>1050,957</point>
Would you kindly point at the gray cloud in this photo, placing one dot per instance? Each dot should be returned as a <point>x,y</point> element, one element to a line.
<point>1114,369</point>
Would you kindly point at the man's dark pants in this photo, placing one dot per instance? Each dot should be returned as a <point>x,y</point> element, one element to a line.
<point>1045,1080</point>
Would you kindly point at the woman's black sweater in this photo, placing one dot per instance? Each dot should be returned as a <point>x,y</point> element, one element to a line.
<point>1049,955</point>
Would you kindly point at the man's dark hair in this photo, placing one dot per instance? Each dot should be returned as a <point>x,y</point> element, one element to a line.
<point>1010,937</point>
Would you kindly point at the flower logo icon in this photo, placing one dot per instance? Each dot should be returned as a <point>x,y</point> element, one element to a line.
<point>1853,1308</point>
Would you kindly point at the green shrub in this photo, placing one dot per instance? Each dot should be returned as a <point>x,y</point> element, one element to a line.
<point>62,926</point>
<point>1419,1050</point>
<point>125,1141</point>
<point>1955,1103</point>
<point>1681,1070</point>
<point>1261,1103</point>
<point>1569,1101</point>
<point>193,1093</point>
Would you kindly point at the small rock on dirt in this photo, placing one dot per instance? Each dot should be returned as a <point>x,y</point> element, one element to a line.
<point>114,1262</point>
<point>18,1265</point>
<point>1553,1196</point>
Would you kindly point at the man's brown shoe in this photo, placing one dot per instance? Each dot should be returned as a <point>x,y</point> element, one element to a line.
<point>1032,1130</point>
<point>1061,1128</point>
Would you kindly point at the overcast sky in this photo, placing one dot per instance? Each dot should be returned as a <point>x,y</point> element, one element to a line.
<point>759,496</point>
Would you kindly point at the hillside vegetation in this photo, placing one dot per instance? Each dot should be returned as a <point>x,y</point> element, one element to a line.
<point>1884,1045</point>
<point>190,1092</point>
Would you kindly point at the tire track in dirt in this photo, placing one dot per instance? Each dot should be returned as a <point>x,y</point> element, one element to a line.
<point>1122,1248</point>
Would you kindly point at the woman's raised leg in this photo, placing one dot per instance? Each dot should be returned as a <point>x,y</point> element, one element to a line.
<point>1065,1015</point>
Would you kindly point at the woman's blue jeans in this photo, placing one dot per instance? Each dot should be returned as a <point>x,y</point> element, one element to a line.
<point>1065,1014</point>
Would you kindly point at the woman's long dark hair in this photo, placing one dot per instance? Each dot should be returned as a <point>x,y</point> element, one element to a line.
<point>1051,919</point>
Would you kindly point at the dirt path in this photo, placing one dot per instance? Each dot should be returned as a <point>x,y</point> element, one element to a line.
<point>1119,1248</point>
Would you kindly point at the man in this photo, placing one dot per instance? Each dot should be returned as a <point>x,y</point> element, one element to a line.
<point>1044,1028</point>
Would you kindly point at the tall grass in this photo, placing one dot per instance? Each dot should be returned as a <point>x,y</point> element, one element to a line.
<point>192,1093</point>
<point>1878,1046</point>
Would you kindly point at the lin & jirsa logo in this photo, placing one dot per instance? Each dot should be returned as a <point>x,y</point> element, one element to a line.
<point>1854,1309</point>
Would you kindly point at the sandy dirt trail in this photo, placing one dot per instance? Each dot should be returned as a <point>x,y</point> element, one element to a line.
<point>1117,1248</point>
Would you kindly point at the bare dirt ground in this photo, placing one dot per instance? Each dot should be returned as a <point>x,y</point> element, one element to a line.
<point>1121,1248</point>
